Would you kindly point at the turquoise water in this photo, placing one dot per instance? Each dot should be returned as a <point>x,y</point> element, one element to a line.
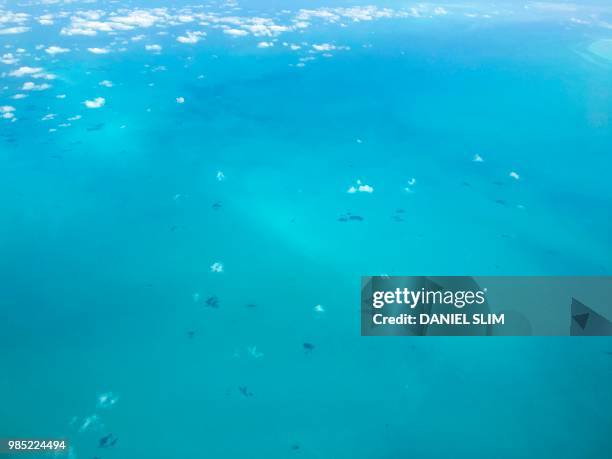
<point>110,226</point>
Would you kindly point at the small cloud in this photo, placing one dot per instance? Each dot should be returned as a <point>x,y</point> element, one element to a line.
<point>48,117</point>
<point>107,400</point>
<point>98,50</point>
<point>29,86</point>
<point>180,100</point>
<point>9,59</point>
<point>75,118</point>
<point>236,32</point>
<point>319,308</point>
<point>324,47</point>
<point>265,44</point>
<point>253,352</point>
<point>514,175</point>
<point>61,96</point>
<point>22,71</point>
<point>53,50</point>
<point>477,158</point>
<point>191,38</point>
<point>19,96</point>
<point>154,48</point>
<point>95,103</point>
<point>220,176</point>
<point>361,188</point>
<point>7,112</point>
<point>216,267</point>
<point>90,422</point>
<point>13,30</point>
<point>106,83</point>
<point>45,19</point>
<point>411,183</point>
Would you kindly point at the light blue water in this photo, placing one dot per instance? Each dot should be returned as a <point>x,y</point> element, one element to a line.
<point>108,230</point>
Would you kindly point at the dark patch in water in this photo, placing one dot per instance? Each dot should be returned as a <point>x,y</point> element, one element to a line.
<point>212,302</point>
<point>350,217</point>
<point>308,347</point>
<point>501,202</point>
<point>217,205</point>
<point>191,334</point>
<point>244,390</point>
<point>96,127</point>
<point>107,441</point>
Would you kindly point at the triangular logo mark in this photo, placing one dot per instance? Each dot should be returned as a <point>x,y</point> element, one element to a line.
<point>581,319</point>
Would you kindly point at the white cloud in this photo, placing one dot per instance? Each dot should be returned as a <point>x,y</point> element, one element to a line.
<point>236,32</point>
<point>191,37</point>
<point>22,71</point>
<point>180,100</point>
<point>185,18</point>
<point>106,83</point>
<point>514,175</point>
<point>216,267</point>
<point>29,86</point>
<point>95,103</point>
<point>70,31</point>
<point>477,158</point>
<point>98,50</point>
<point>75,118</point>
<point>45,19</point>
<point>7,111</point>
<point>411,183</point>
<point>56,50</point>
<point>156,48</point>
<point>19,96</point>
<point>9,59</point>
<point>13,30</point>
<point>107,400</point>
<point>324,47</point>
<point>361,188</point>
<point>43,75</point>
<point>265,44</point>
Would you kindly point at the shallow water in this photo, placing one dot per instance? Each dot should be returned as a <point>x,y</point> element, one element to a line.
<point>109,228</point>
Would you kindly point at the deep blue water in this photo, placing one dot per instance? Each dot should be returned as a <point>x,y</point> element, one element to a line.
<point>109,228</point>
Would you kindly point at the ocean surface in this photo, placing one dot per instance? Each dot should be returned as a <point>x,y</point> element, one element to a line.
<point>175,186</point>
